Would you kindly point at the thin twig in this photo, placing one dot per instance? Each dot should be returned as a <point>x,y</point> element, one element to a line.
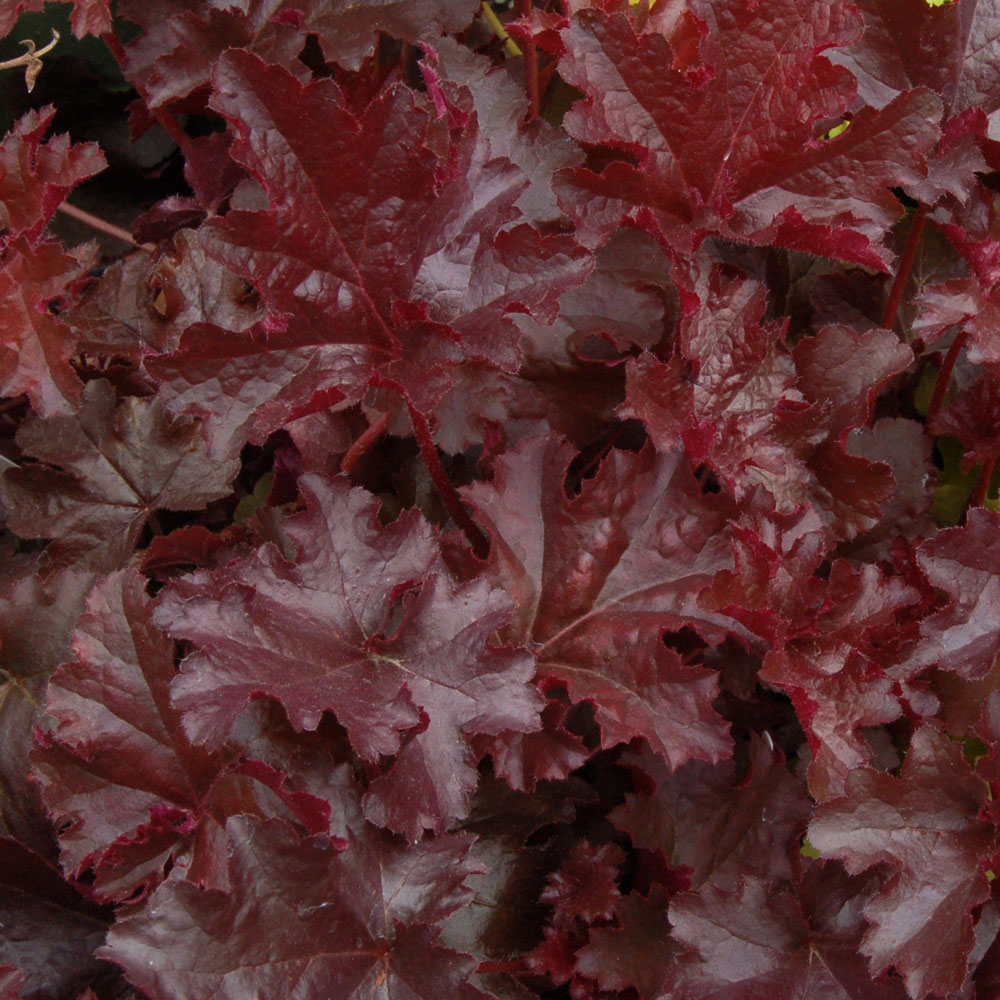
<point>101,225</point>
<point>31,60</point>
<point>499,30</point>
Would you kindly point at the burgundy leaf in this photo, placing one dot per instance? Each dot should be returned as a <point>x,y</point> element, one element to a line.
<point>35,177</point>
<point>831,643</point>
<point>366,624</point>
<point>303,920</point>
<point>585,887</point>
<point>50,931</point>
<point>963,636</point>
<point>946,47</point>
<point>638,952</point>
<point>701,818</point>
<point>974,418</point>
<point>753,941</point>
<point>37,617</point>
<point>132,795</point>
<point>597,578</point>
<point>732,145</point>
<point>362,280</point>
<point>35,345</point>
<point>108,469</point>
<point>924,825</point>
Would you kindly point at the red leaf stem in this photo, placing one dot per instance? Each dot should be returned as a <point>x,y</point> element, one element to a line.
<point>363,443</point>
<point>944,375</point>
<point>449,497</point>
<point>905,266</point>
<point>514,966</point>
<point>530,63</point>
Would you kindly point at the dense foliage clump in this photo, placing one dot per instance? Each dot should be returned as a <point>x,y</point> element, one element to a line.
<point>514,513</point>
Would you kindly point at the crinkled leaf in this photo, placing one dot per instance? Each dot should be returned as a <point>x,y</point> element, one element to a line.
<point>132,795</point>
<point>964,636</point>
<point>306,922</point>
<point>107,470</point>
<point>50,931</point>
<point>732,145</point>
<point>701,818</point>
<point>500,103</point>
<point>947,47</point>
<point>35,177</point>
<point>597,578</point>
<point>36,622</point>
<point>924,825</point>
<point>758,414</point>
<point>366,624</point>
<point>148,300</point>
<point>362,279</point>
<point>755,941</point>
<point>637,953</point>
<point>586,886</point>
<point>35,345</point>
<point>833,642</point>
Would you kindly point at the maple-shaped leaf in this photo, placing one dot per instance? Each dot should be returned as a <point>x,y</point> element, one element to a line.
<point>963,636</point>
<point>974,418</point>
<point>364,285</point>
<point>501,106</point>
<point>701,818</point>
<point>107,470</point>
<point>35,177</point>
<point>50,930</point>
<point>177,49</point>
<point>947,47</point>
<point>826,639</point>
<point>367,624</point>
<point>37,616</point>
<point>757,413</point>
<point>906,448</point>
<point>638,953</point>
<point>146,301</point>
<point>88,17</point>
<point>729,394</point>
<point>924,825</point>
<point>953,59</point>
<point>732,145</point>
<point>131,794</point>
<point>586,886</point>
<point>305,921</point>
<point>550,754</point>
<point>35,345</point>
<point>597,578</point>
<point>754,941</point>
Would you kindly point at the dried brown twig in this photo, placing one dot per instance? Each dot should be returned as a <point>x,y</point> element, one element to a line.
<point>31,60</point>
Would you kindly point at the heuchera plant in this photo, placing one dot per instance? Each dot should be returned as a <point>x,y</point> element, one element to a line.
<point>521,518</point>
